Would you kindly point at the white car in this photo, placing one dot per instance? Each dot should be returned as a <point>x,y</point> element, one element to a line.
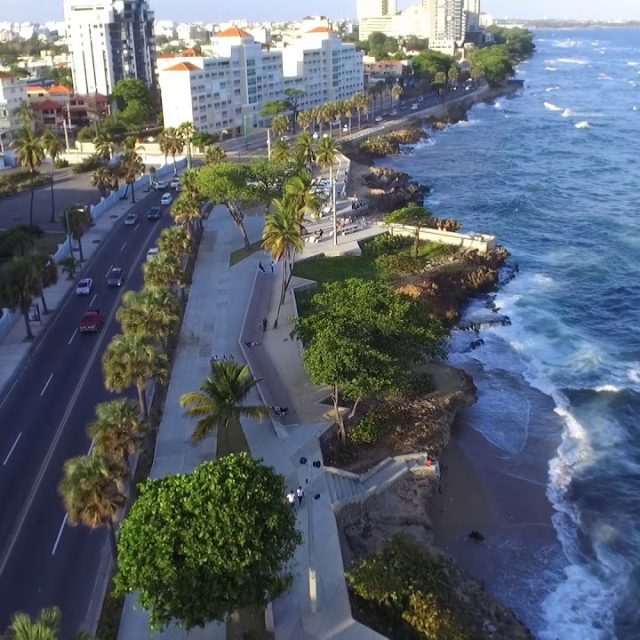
<point>378,118</point>
<point>131,220</point>
<point>159,185</point>
<point>414,107</point>
<point>84,287</point>
<point>166,199</point>
<point>152,253</point>
<point>175,184</point>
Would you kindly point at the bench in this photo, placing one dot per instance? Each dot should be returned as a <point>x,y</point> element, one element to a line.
<point>350,228</point>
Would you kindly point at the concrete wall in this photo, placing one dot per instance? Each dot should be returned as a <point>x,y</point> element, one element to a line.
<point>481,242</point>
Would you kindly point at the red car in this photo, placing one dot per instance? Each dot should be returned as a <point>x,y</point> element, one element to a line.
<point>91,321</point>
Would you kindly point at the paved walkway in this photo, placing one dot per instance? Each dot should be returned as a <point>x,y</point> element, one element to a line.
<point>223,312</point>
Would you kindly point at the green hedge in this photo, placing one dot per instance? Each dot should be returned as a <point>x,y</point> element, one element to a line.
<point>90,163</point>
<point>20,180</point>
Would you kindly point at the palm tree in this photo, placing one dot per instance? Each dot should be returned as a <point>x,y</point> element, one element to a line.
<point>349,108</point>
<point>53,148</point>
<point>300,190</point>
<point>190,185</point>
<point>150,313</point>
<point>48,271</point>
<point>45,627</point>
<point>20,281</point>
<point>133,360</point>
<point>218,403</point>
<point>104,146</point>
<point>396,92</point>
<point>453,74</point>
<point>76,221</point>
<point>92,494</point>
<point>163,272</point>
<point>131,168</point>
<point>24,113</point>
<point>102,179</point>
<point>175,242</point>
<point>186,212</point>
<point>214,154</point>
<point>118,431</point>
<point>305,149</point>
<point>280,125</point>
<point>171,144</point>
<point>186,131</point>
<point>361,102</point>
<point>305,120</point>
<point>282,150</point>
<point>327,154</point>
<point>30,154</point>
<point>282,237</point>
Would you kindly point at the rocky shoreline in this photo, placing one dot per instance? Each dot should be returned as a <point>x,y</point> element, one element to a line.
<point>423,423</point>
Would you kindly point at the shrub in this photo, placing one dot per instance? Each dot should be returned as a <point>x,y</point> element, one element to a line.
<point>376,424</point>
<point>364,432</point>
<point>86,134</point>
<point>402,264</point>
<point>90,163</point>
<point>420,384</point>
<point>61,163</point>
<point>385,244</point>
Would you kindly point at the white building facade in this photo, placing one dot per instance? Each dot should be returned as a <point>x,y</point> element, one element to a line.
<point>448,24</point>
<point>109,40</point>
<point>13,91</point>
<point>227,92</point>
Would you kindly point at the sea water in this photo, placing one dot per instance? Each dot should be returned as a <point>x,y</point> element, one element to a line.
<point>554,172</point>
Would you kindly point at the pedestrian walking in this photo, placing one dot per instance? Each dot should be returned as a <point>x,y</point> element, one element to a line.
<point>272,265</point>
<point>291,499</point>
<point>300,495</point>
<point>264,324</point>
<point>261,267</point>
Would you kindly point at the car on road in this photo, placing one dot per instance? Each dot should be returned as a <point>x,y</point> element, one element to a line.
<point>378,119</point>
<point>91,321</point>
<point>84,287</point>
<point>166,199</point>
<point>394,113</point>
<point>115,277</point>
<point>175,184</point>
<point>152,253</point>
<point>154,214</point>
<point>131,219</point>
<point>414,106</point>
<point>159,185</point>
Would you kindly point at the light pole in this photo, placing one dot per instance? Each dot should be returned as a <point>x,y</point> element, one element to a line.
<point>66,218</point>
<point>333,181</point>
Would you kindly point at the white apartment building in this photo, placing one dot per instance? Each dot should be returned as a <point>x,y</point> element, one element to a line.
<point>109,40</point>
<point>376,8</point>
<point>228,91</point>
<point>13,91</point>
<point>448,24</point>
<point>415,20</point>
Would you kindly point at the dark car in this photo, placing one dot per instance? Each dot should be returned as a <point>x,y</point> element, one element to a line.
<point>115,277</point>
<point>91,321</point>
<point>154,214</point>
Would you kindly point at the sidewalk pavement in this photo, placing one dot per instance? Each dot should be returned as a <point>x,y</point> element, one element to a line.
<point>220,306</point>
<point>13,345</point>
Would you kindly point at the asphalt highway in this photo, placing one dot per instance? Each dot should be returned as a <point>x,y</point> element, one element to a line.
<point>43,420</point>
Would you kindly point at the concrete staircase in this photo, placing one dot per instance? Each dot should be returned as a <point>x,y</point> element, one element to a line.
<point>343,487</point>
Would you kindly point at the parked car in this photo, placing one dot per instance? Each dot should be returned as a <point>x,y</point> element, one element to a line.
<point>414,106</point>
<point>166,199</point>
<point>394,113</point>
<point>152,253</point>
<point>91,321</point>
<point>154,214</point>
<point>131,219</point>
<point>378,119</point>
<point>115,277</point>
<point>159,185</point>
<point>84,287</point>
<point>175,184</point>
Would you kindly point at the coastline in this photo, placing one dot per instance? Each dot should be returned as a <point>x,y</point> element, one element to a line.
<point>482,489</point>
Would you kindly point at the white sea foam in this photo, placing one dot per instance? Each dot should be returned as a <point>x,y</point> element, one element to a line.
<point>604,76</point>
<point>608,388</point>
<point>567,113</point>
<point>566,44</point>
<point>550,69</point>
<point>632,63</point>
<point>552,107</point>
<point>548,89</point>
<point>573,61</point>
<point>582,125</point>
<point>634,375</point>
<point>542,279</point>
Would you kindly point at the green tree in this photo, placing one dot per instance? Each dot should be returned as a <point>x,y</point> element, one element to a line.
<point>176,242</point>
<point>53,148</point>
<point>24,113</point>
<point>186,131</point>
<point>102,179</point>
<point>187,213</point>
<point>171,144</point>
<point>282,237</point>
<point>305,119</point>
<point>269,175</point>
<point>227,184</point>
<point>135,114</point>
<point>219,405</point>
<point>327,154</point>
<point>305,149</point>
<point>30,153</point>
<point>45,627</point>
<point>413,215</point>
<point>300,190</point>
<point>273,108</point>
<point>163,272</point>
<point>92,493</point>
<point>20,281</point>
<point>430,62</point>
<point>199,547</point>
<point>280,125</point>
<point>77,220</point>
<point>150,313</point>
<point>131,168</point>
<point>133,360</point>
<point>47,270</point>
<point>132,90</point>
<point>214,154</point>
<point>294,96</point>
<point>281,151</point>
<point>493,62</point>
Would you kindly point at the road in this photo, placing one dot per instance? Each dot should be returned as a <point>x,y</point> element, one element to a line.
<point>69,189</point>
<point>43,418</point>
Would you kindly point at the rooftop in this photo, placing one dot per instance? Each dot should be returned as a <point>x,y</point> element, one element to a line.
<point>232,32</point>
<point>183,66</point>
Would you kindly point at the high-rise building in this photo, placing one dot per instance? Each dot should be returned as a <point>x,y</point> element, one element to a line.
<point>448,24</point>
<point>109,40</point>
<point>13,92</point>
<point>472,15</point>
<point>376,8</point>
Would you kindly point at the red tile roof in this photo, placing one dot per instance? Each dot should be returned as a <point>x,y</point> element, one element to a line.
<point>183,66</point>
<point>166,55</point>
<point>320,30</point>
<point>36,89</point>
<point>47,105</point>
<point>233,32</point>
<point>190,53</point>
<point>60,89</point>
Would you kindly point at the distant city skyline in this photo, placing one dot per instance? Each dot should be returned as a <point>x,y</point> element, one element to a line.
<point>258,10</point>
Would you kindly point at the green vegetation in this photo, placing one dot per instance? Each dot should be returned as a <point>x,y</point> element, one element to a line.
<point>378,45</point>
<point>429,63</point>
<point>519,41</point>
<point>492,62</point>
<point>411,594</point>
<point>134,101</point>
<point>12,182</point>
<point>90,163</point>
<point>199,547</point>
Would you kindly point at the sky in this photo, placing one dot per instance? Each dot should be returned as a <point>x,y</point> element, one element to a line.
<point>207,11</point>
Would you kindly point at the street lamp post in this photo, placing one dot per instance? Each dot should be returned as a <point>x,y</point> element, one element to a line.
<point>333,181</point>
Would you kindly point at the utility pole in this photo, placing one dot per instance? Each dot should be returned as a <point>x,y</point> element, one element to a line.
<point>66,133</point>
<point>269,143</point>
<point>333,181</point>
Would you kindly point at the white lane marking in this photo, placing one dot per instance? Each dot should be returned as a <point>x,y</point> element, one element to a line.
<point>46,384</point>
<point>123,246</point>
<point>12,448</point>
<point>95,295</point>
<point>55,546</point>
<point>109,269</point>
<point>72,337</point>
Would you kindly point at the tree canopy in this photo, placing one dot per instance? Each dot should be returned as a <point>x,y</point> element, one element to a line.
<point>199,547</point>
<point>494,62</point>
<point>428,63</point>
<point>132,90</point>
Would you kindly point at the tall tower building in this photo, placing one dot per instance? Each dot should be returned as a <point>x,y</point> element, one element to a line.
<point>448,23</point>
<point>376,8</point>
<point>472,15</point>
<point>109,40</point>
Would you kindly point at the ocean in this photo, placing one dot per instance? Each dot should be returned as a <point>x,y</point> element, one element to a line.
<point>553,172</point>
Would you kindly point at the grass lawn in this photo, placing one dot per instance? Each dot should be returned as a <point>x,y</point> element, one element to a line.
<point>335,269</point>
<point>49,242</point>
<point>241,254</point>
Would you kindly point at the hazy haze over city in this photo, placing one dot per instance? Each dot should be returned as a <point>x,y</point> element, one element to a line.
<point>192,10</point>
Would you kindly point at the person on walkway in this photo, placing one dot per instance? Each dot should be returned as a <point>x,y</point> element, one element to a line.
<point>250,343</point>
<point>291,499</point>
<point>272,265</point>
<point>261,267</point>
<point>264,324</point>
<point>300,495</point>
